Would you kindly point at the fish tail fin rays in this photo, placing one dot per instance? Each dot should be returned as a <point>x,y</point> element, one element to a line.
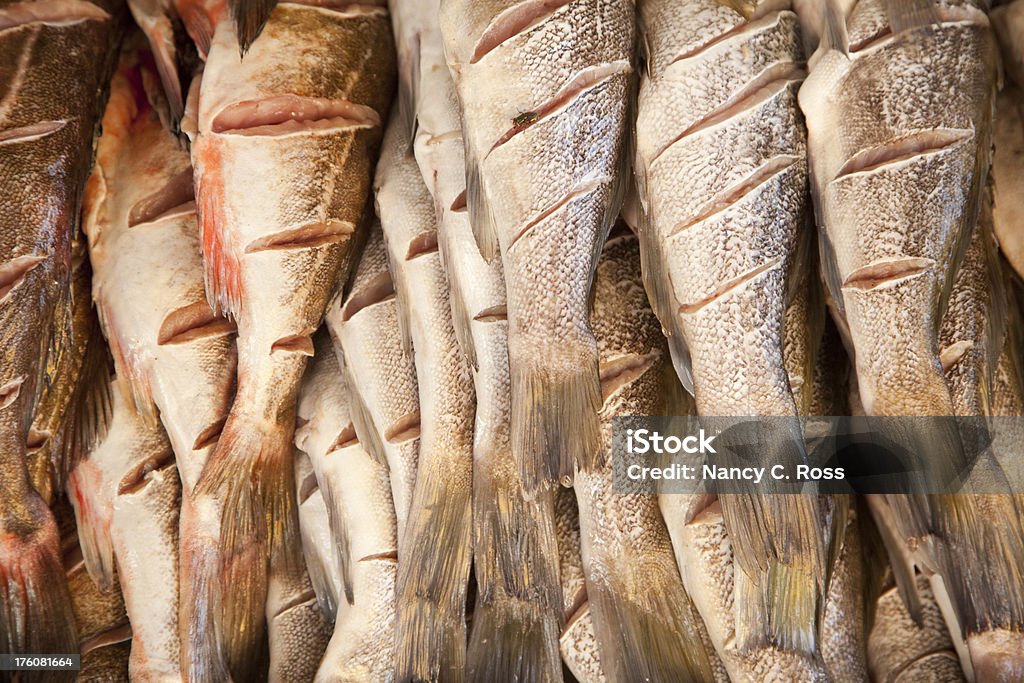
<point>201,656</point>
<point>92,518</point>
<point>650,631</point>
<point>834,35</point>
<point>780,553</point>
<point>35,605</point>
<point>251,474</point>
<point>433,578</point>
<point>480,212</point>
<point>519,599</point>
<point>546,399</point>
<point>91,406</point>
<point>250,16</point>
<point>908,14</point>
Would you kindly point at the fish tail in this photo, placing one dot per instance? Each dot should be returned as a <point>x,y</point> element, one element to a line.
<point>518,606</point>
<point>35,604</point>
<point>649,632</point>
<point>250,16</point>
<point>555,428</point>
<point>251,474</point>
<point>433,577</point>
<point>201,659</point>
<point>93,530</point>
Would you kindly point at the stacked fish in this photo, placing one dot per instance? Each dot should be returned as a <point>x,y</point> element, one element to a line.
<point>317,316</point>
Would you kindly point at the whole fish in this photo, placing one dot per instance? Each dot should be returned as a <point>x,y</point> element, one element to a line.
<point>283,160</point>
<point>57,58</point>
<point>378,368</point>
<point>173,355</point>
<point>721,173</point>
<point>363,533</point>
<point>545,153</point>
<point>516,611</point>
<point>578,642</point>
<point>633,585</point>
<point>437,546</point>
<point>75,404</point>
<point>126,495</point>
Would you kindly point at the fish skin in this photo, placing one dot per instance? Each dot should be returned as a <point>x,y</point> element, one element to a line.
<point>517,608</point>
<point>53,75</point>
<point>274,265</point>
<point>126,494</point>
<point>843,628</point>
<point>633,584</point>
<point>720,162</point>
<point>545,158</point>
<point>379,370</point>
<point>297,628</point>
<point>144,276</point>
<point>438,542</point>
<point>357,492</point>
<point>106,635</point>
<point>317,542</point>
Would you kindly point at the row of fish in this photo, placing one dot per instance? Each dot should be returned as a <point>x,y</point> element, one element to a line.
<point>477,310</point>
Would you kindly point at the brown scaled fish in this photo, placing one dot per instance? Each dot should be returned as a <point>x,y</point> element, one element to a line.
<point>283,160</point>
<point>545,149</point>
<point>56,56</point>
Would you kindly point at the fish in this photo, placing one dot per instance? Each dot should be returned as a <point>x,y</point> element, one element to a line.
<point>902,648</point>
<point>296,123</point>
<point>844,617</point>
<point>58,58</point>
<point>1008,22</point>
<point>633,584</point>
<point>297,628</point>
<point>74,409</point>
<point>578,641</point>
<point>318,551</point>
<point>175,358</point>
<point>356,489</point>
<point>437,547</point>
<point>720,163</point>
<point>126,495</point>
<point>1008,136</point>
<point>516,612</point>
<point>379,370</point>
<point>547,167</point>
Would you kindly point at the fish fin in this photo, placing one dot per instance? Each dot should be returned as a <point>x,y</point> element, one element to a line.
<point>362,420</point>
<point>480,215</point>
<point>309,493</point>
<point>250,16</point>
<point>519,600</point>
<point>462,321</point>
<point>157,22</point>
<point>91,409</point>
<point>222,271</point>
<point>201,656</point>
<point>903,572</point>
<point>546,399</point>
<point>905,15</point>
<point>651,630</point>
<point>251,473</point>
<point>93,512</point>
<point>433,579</point>
<point>838,518</point>
<point>342,539</point>
<point>409,89</point>
<point>35,609</point>
<point>834,34</point>
<point>199,23</point>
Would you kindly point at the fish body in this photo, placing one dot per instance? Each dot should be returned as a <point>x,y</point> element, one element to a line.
<point>721,173</point>
<point>356,490</point>
<point>322,561</point>
<point>379,370</point>
<point>126,495</point>
<point>174,356</point>
<point>297,629</point>
<point>295,124</point>
<point>56,57</point>
<point>633,585</point>
<point>545,143</point>
<point>516,614</point>
<point>437,544</point>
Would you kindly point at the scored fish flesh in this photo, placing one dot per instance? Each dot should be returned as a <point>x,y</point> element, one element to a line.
<point>283,160</point>
<point>516,613</point>
<point>721,173</point>
<point>57,56</point>
<point>545,88</point>
<point>436,549</point>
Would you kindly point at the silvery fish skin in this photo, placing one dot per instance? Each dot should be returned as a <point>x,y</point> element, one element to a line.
<point>363,544</point>
<point>297,629</point>
<point>175,358</point>
<point>438,539</point>
<point>127,494</point>
<point>57,56</point>
<point>578,643</point>
<point>633,585</point>
<point>515,622</point>
<point>283,158</point>
<point>545,146</point>
<point>379,370</point>
<point>721,173</point>
<point>901,650</point>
